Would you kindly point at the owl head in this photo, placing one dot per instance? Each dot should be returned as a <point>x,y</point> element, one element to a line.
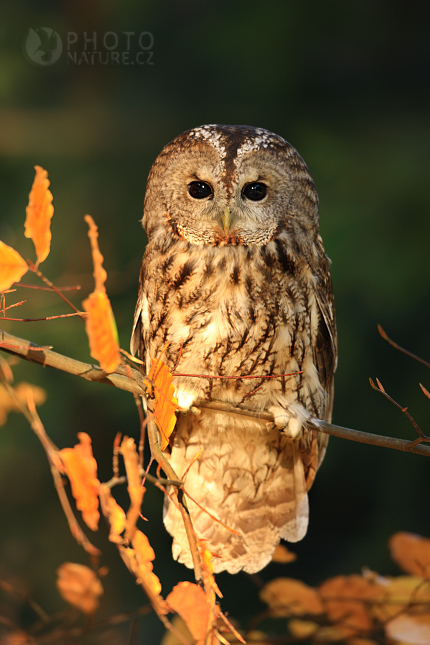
<point>228,185</point>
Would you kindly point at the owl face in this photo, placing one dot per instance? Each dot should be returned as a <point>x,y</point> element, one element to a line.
<point>223,185</point>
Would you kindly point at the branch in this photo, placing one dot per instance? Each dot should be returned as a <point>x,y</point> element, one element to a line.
<point>131,380</point>
<point>46,357</point>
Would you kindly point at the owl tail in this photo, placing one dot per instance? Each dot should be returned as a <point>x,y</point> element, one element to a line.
<point>248,477</point>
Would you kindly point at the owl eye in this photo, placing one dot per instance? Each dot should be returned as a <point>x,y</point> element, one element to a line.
<point>255,192</point>
<point>199,189</point>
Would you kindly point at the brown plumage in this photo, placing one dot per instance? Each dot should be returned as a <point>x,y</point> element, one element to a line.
<point>235,279</point>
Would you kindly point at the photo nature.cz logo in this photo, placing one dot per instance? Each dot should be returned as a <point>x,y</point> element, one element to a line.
<point>43,47</point>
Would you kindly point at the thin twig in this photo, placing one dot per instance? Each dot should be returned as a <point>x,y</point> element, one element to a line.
<point>79,313</point>
<point>39,288</point>
<point>52,286</point>
<point>53,458</point>
<point>379,388</point>
<point>401,349</point>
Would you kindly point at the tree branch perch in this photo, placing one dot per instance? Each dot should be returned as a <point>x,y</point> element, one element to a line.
<point>131,380</point>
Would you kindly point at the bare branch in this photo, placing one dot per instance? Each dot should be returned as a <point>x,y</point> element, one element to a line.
<point>401,349</point>
<point>131,380</point>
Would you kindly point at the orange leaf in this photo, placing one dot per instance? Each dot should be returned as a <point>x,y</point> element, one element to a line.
<point>101,331</point>
<point>347,600</point>
<point>81,469</point>
<point>411,552</point>
<point>134,488</point>
<point>191,603</point>
<point>39,214</point>
<point>12,266</point>
<point>289,597</point>
<point>139,560</point>
<point>165,401</point>
<point>100,323</point>
<point>283,555</point>
<point>113,513</point>
<point>80,586</point>
<point>7,404</point>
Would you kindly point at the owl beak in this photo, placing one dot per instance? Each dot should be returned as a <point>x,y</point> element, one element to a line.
<point>226,220</point>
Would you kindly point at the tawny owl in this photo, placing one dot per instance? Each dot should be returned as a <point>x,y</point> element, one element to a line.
<point>235,279</point>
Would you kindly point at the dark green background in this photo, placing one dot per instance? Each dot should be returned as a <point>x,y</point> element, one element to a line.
<point>348,85</point>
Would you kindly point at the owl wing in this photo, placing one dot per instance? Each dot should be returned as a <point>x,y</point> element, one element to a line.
<point>325,359</point>
<point>325,350</point>
<point>136,341</point>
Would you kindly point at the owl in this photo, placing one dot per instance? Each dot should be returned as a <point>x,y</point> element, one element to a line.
<point>236,282</point>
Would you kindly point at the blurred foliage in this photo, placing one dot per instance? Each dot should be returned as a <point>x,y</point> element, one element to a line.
<point>346,84</point>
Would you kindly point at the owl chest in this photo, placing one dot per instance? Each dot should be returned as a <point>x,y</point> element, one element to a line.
<point>230,320</point>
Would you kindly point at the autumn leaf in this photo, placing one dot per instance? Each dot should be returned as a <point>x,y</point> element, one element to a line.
<point>100,322</point>
<point>191,603</point>
<point>138,559</point>
<point>347,598</point>
<point>113,513</point>
<point>411,552</point>
<point>134,485</point>
<point>398,593</point>
<point>165,402</point>
<point>12,266</point>
<point>7,404</point>
<point>283,555</point>
<point>289,597</point>
<point>39,214</point>
<point>81,469</point>
<point>79,586</point>
<point>410,629</point>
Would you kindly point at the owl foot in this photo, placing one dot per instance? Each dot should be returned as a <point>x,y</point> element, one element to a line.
<point>185,400</point>
<point>290,420</point>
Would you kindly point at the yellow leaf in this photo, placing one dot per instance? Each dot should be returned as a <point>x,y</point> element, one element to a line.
<point>165,402</point>
<point>81,469</point>
<point>12,266</point>
<point>398,593</point>
<point>79,586</point>
<point>39,214</point>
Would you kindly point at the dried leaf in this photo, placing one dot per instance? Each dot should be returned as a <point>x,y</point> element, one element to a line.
<point>39,214</point>
<point>12,266</point>
<point>7,404</point>
<point>398,593</point>
<point>81,469</point>
<point>410,629</point>
<point>347,602</point>
<point>134,487</point>
<point>79,586</point>
<point>302,628</point>
<point>283,555</point>
<point>139,560</point>
<point>411,552</point>
<point>288,597</point>
<point>191,603</point>
<point>165,402</point>
<point>113,513</point>
<point>100,324</point>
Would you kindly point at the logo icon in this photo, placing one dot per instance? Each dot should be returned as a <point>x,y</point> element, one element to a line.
<point>43,46</point>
